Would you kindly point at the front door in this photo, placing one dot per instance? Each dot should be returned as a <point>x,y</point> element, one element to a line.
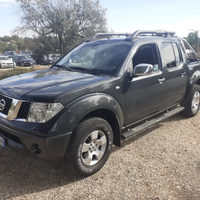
<point>145,95</point>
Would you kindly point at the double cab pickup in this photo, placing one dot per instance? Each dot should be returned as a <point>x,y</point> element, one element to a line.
<point>105,90</point>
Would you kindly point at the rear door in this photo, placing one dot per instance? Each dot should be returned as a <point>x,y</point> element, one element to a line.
<point>144,95</point>
<point>176,73</point>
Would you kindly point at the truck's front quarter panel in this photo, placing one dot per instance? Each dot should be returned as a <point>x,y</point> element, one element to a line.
<point>49,140</point>
<point>35,139</point>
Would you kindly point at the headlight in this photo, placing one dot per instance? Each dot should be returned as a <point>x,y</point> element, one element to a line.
<point>42,112</point>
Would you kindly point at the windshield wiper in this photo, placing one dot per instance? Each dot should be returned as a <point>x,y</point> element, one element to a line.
<point>86,70</point>
<point>63,67</point>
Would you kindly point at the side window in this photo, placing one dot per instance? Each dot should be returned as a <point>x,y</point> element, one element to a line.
<point>176,52</point>
<point>147,53</point>
<point>169,55</point>
<point>190,53</point>
<point>183,54</point>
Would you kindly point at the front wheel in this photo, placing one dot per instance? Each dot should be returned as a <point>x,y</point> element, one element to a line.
<point>192,105</point>
<point>89,147</point>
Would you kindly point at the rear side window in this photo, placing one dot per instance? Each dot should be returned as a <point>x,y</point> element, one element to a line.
<point>171,54</point>
<point>176,52</point>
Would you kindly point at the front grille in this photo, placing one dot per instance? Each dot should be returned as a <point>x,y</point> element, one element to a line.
<point>23,111</point>
<point>8,104</point>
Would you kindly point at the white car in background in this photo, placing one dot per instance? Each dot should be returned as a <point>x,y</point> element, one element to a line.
<point>5,62</point>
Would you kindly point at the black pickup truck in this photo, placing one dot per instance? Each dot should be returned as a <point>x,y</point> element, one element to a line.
<point>106,89</point>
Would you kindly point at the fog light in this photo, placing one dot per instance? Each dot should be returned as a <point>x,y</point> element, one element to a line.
<point>35,149</point>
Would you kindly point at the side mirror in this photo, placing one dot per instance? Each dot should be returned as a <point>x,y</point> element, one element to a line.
<point>143,69</point>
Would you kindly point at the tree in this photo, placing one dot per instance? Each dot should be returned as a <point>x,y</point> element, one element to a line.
<point>41,48</point>
<point>15,37</point>
<point>71,21</point>
<point>193,39</point>
<point>3,46</point>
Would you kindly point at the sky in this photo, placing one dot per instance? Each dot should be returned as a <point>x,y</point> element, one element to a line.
<point>127,16</point>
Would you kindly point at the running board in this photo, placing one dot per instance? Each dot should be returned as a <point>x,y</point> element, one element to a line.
<point>147,124</point>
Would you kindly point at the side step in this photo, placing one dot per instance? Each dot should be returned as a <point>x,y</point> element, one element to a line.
<point>147,124</point>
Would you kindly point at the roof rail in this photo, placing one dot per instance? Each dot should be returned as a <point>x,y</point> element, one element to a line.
<point>153,33</point>
<point>95,36</point>
<point>130,37</point>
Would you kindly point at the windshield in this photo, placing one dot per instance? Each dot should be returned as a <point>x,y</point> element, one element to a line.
<point>10,53</point>
<point>24,57</point>
<point>101,57</point>
<point>4,58</point>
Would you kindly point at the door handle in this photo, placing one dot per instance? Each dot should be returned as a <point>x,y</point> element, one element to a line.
<point>183,74</point>
<point>160,80</point>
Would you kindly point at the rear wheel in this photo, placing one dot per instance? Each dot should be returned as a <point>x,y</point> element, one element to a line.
<point>192,105</point>
<point>89,147</point>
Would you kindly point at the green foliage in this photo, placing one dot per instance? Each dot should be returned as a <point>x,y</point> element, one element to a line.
<point>13,43</point>
<point>39,45</point>
<point>3,46</point>
<point>11,72</point>
<point>194,40</point>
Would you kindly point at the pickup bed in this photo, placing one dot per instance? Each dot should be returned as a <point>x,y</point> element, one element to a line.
<point>106,89</point>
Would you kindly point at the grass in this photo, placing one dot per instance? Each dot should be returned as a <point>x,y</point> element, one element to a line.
<point>12,72</point>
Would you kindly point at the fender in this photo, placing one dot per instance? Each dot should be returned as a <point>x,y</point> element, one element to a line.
<point>192,81</point>
<point>81,107</point>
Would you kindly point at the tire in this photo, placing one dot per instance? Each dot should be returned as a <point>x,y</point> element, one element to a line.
<point>89,147</point>
<point>192,105</point>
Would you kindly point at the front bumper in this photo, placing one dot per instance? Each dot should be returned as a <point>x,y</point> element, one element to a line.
<point>7,65</point>
<point>50,147</point>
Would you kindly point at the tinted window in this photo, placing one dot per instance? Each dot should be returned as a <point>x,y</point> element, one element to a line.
<point>176,52</point>
<point>147,54</point>
<point>169,55</point>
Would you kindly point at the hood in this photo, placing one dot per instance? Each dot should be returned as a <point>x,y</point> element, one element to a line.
<point>45,85</point>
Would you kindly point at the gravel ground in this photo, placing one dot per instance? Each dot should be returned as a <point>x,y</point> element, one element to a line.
<point>162,162</point>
